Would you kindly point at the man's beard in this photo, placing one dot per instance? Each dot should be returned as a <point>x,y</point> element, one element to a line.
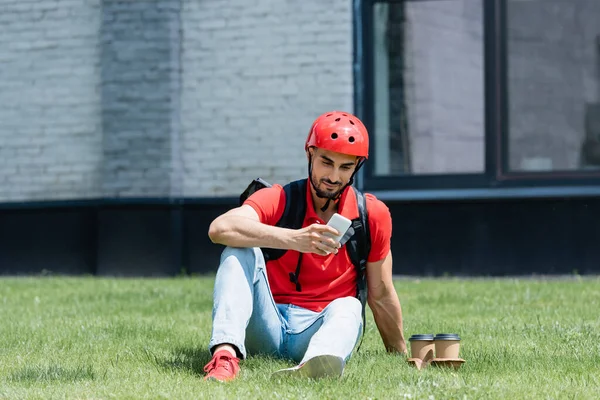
<point>324,194</point>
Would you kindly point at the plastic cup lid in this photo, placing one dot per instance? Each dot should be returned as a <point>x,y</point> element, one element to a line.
<point>447,336</point>
<point>424,336</point>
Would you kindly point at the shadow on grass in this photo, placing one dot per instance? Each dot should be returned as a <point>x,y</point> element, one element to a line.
<point>188,359</point>
<point>193,360</point>
<point>40,373</point>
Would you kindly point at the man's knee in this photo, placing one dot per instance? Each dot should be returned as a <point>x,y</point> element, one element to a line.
<point>241,253</point>
<point>250,258</point>
<point>347,306</point>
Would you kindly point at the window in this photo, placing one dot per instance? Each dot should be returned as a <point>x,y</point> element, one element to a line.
<point>428,87</point>
<point>553,59</point>
<point>479,95</point>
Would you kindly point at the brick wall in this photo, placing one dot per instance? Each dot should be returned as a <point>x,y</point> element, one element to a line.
<point>164,97</point>
<point>255,75</point>
<point>140,70</point>
<point>50,127</point>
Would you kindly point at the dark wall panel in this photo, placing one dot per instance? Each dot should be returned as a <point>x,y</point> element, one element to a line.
<point>136,242</point>
<point>201,254</point>
<point>57,241</point>
<point>480,238</point>
<point>497,238</point>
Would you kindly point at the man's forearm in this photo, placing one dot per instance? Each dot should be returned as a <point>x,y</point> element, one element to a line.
<point>239,231</point>
<point>387,313</point>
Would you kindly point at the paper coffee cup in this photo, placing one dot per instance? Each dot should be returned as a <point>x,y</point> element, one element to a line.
<point>447,345</point>
<point>422,346</point>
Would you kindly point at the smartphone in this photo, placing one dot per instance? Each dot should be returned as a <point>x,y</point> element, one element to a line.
<point>339,223</point>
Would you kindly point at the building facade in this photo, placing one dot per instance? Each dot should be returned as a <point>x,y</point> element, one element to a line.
<point>127,126</point>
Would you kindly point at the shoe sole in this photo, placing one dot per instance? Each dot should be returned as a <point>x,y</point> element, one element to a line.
<point>325,366</point>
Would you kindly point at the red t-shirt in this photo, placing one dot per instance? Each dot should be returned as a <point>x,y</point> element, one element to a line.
<point>323,278</point>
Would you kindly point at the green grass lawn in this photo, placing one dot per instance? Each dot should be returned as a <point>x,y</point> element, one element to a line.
<point>146,338</point>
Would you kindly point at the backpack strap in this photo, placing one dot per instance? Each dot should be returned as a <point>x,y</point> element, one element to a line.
<point>359,246</point>
<point>293,214</point>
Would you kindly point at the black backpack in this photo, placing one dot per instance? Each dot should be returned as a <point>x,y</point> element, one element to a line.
<point>357,239</point>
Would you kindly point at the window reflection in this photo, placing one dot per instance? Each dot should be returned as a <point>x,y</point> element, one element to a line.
<point>428,87</point>
<point>553,90</point>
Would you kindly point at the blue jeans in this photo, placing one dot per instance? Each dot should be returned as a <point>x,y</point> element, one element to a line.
<point>246,316</point>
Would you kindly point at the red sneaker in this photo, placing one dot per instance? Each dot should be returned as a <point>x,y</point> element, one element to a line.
<point>223,367</point>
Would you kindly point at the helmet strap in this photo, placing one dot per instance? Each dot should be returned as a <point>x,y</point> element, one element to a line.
<point>326,206</point>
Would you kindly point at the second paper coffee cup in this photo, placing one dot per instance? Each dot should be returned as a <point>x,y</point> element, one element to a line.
<point>447,345</point>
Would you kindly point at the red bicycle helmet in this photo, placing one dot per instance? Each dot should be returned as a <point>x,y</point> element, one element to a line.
<point>341,132</point>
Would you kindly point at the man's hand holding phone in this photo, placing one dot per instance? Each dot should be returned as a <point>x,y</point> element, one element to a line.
<point>322,239</point>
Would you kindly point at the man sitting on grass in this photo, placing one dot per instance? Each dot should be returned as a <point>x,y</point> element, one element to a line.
<point>303,304</point>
